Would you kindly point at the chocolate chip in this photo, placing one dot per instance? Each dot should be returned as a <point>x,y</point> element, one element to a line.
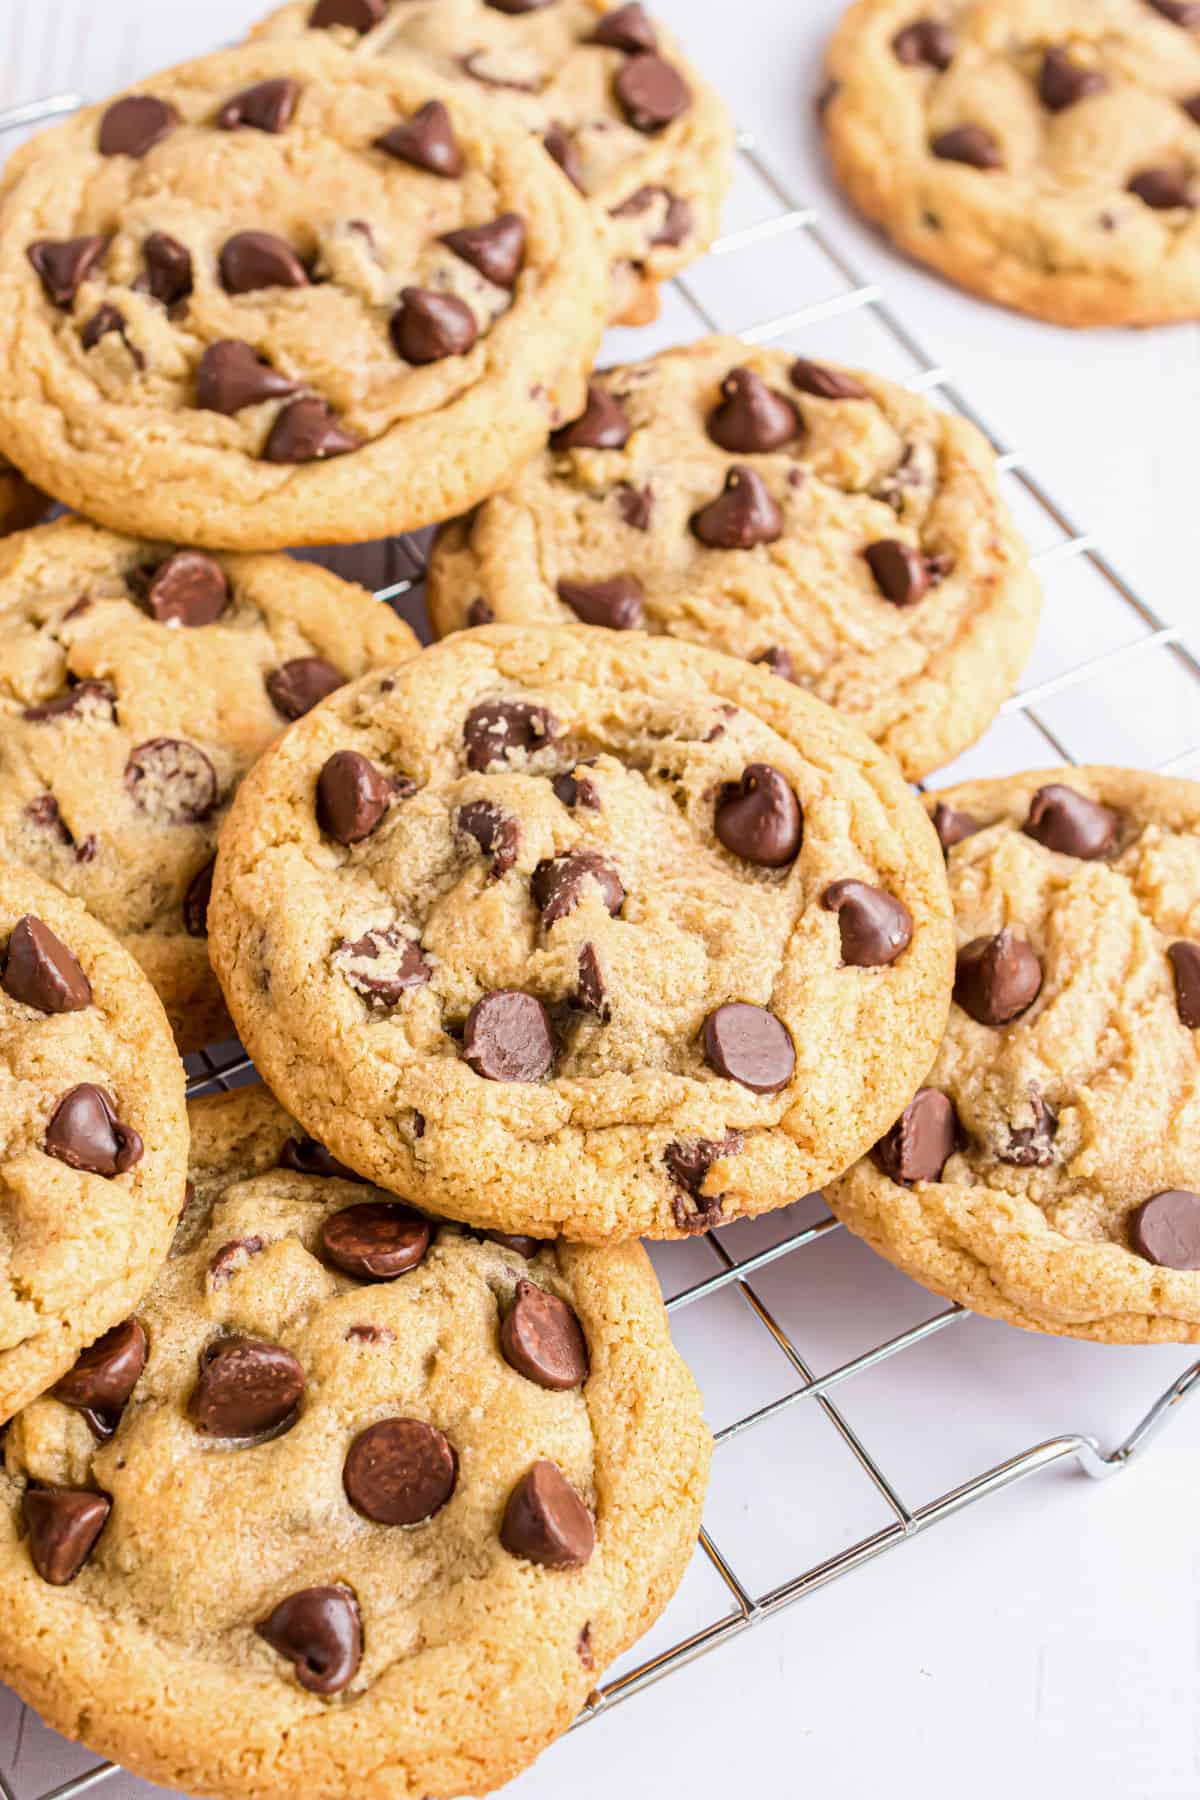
<point>565,153</point>
<point>576,790</point>
<point>352,797</point>
<point>583,1646</point>
<point>1180,12</point>
<point>369,1334</point>
<point>651,92</point>
<point>85,1133</point>
<point>922,1140</point>
<point>132,126</point>
<point>297,686</point>
<point>518,1242</point>
<point>749,1045</point>
<point>1165,188</point>
<point>826,383</point>
<point>602,425</point>
<point>63,1525</point>
<point>105,1375</point>
<point>308,430</point>
<point>545,1521</point>
<point>251,260</point>
<point>971,144</point>
<point>480,613</point>
<point>925,41</point>
<point>400,1472</point>
<point>515,7</point>
<point>105,320</point>
<point>44,812</point>
<point>1062,81</point>
<point>307,1157</point>
<point>64,264</point>
<point>744,514</point>
<point>559,885</point>
<point>1032,1146</point>
<point>245,1390</point>
<point>952,826</point>
<point>375,1241</point>
<point>1166,1229</point>
<point>497,835</point>
<point>496,728</point>
<point>900,571</point>
<point>172,781</point>
<point>319,1630</point>
<point>591,990</point>
<point>997,978</point>
<point>267,106</point>
<point>188,589</point>
<point>231,1258</point>
<point>196,900</point>
<point>629,28</point>
<point>778,660</point>
<point>428,326</point>
<point>85,697</point>
<point>688,1162</point>
<point>508,1037</point>
<point>383,965</point>
<point>1070,823</point>
<point>231,375</point>
<point>357,15</point>
<point>637,506</point>
<point>169,277</point>
<point>678,220</point>
<point>542,1339</point>
<point>497,249</point>
<point>875,926</point>
<point>1185,966</point>
<point>1192,108</point>
<point>427,141</point>
<point>40,971</point>
<point>758,818</point>
<point>617,604</point>
<point>751,416</point>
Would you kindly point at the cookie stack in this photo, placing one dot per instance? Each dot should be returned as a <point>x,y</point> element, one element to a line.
<point>348,1446</point>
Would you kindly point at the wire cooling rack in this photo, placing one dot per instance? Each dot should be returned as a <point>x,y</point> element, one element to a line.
<point>775,1280</point>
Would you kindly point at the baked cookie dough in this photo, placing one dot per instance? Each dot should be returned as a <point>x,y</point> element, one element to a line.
<point>1044,153</point>
<point>20,504</point>
<point>560,930</point>
<point>607,90</point>
<point>831,525</point>
<point>285,295</point>
<point>137,685</point>
<point>370,1505</point>
<point>1046,1174</point>
<point>93,1134</point>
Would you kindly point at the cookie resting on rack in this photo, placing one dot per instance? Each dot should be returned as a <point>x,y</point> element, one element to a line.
<point>372,1504</point>
<point>93,1134</point>
<point>237,308</point>
<point>606,89</point>
<point>1047,1171</point>
<point>137,685</point>
<point>561,930</point>
<point>1044,153</point>
<point>832,526</point>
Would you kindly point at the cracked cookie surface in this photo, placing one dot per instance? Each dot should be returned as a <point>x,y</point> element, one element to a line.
<point>1045,1176</point>
<point>249,306</point>
<point>1044,153</point>
<point>138,683</point>
<point>563,930</point>
<point>93,1134</point>
<point>870,558</point>
<point>347,1533</point>
<point>638,130</point>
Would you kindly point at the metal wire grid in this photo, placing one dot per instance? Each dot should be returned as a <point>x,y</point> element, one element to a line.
<point>227,1066</point>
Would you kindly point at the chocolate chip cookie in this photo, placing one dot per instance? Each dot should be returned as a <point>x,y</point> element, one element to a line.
<point>286,295</point>
<point>137,685</point>
<point>606,89</point>
<point>1046,1172</point>
<point>553,929</point>
<point>93,1133</point>
<point>20,504</point>
<point>352,1503</point>
<point>832,526</point>
<point>1044,153</point>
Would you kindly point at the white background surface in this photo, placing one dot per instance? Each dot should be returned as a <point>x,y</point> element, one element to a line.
<point>1050,1637</point>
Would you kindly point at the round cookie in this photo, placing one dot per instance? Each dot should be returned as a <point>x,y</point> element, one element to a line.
<point>1043,153</point>
<point>557,930</point>
<point>93,1134</point>
<point>1047,1172</point>
<point>137,685</point>
<point>236,313</point>
<point>20,504</point>
<point>608,91</point>
<point>369,1533</point>
<point>834,526</point>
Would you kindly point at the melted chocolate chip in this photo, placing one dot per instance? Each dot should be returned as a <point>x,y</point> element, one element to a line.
<point>921,1142</point>
<point>428,326</point>
<point>970,144</point>
<point>104,321</point>
<point>352,797</point>
<point>651,92</point>
<point>400,1472</point>
<point>517,1242</point>
<point>1165,188</point>
<point>495,729</point>
<point>629,28</point>
<point>297,686</point>
<point>63,1525</point>
<point>252,260</point>
<point>752,418</point>
<point>1063,82</point>
<point>231,376</point>
<point>85,697</point>
<point>267,106</point>
<point>561,884</point>
<point>132,126</point>
<point>188,589</point>
<point>875,926</point>
<point>308,430</point>
<point>496,250</point>
<point>393,961</point>
<point>1032,1146</point>
<point>952,826</point>
<point>105,1375</point>
<point>1166,1229</point>
<point>926,41</point>
<point>576,790</point>
<point>427,141</point>
<point>778,660</point>
<point>85,1133</point>
<point>171,781</point>
<point>542,1339</point>
<point>749,1045</point>
<point>375,1241</point>
<point>744,514</point>
<point>40,971</point>
<point>900,571</point>
<point>169,277</point>
<point>998,978</point>
<point>1180,12</point>
<point>1185,966</point>
<point>508,1037</point>
<point>480,613</point>
<point>618,604</point>
<point>591,990</point>
<point>759,818</point>
<point>246,1389</point>
<point>826,383</point>
<point>64,264</point>
<point>545,1521</point>
<point>319,1630</point>
<point>689,1161</point>
<point>231,1258</point>
<point>603,424</point>
<point>678,219</point>
<point>497,835</point>
<point>197,900</point>
<point>562,148</point>
<point>1070,823</point>
<point>307,1157</point>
